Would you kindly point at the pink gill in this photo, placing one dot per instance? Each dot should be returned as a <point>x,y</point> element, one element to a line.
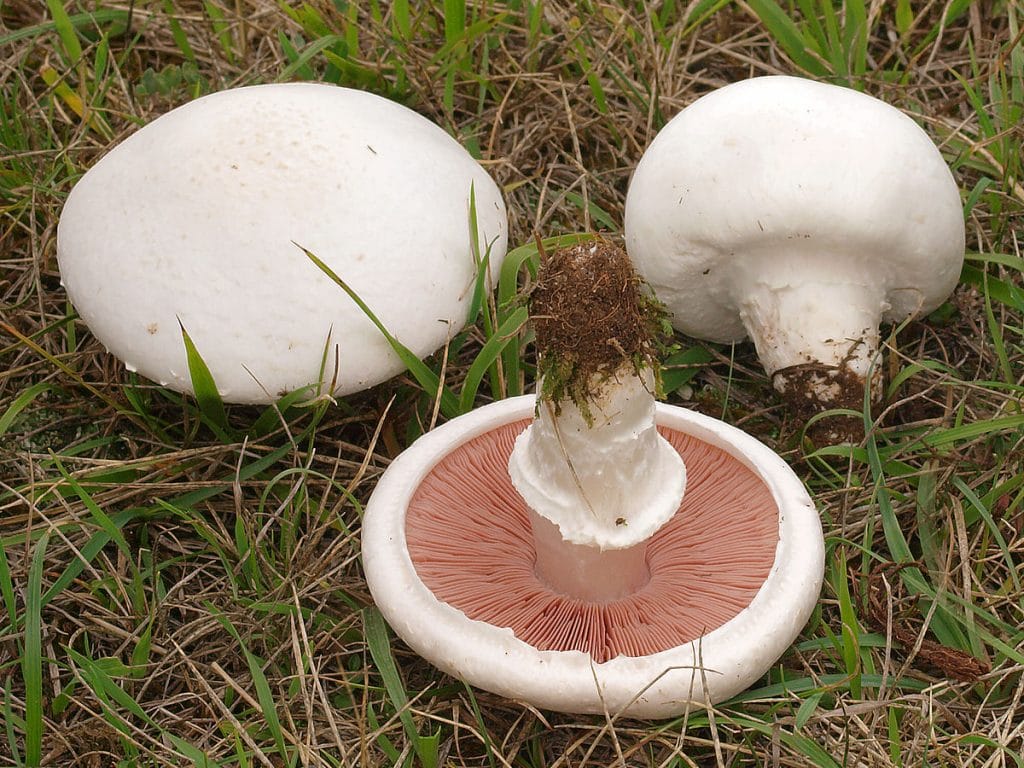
<point>469,537</point>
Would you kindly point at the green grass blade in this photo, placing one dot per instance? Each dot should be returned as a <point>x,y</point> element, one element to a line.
<point>943,622</point>
<point>139,399</point>
<point>100,517</point>
<point>807,709</point>
<point>830,681</point>
<point>1000,290</point>
<point>788,35</point>
<point>490,352</point>
<point>100,62</point>
<point>593,80</point>
<point>32,660</point>
<point>995,330</point>
<point>106,687</point>
<point>88,553</point>
<point>383,742</point>
<point>7,589</point>
<point>420,371</point>
<point>526,255</point>
<point>480,724</point>
<point>680,367</point>
<point>454,20</point>
<point>809,11</point>
<point>954,10</point>
<point>805,746</point>
<point>303,70</point>
<point>270,419</point>
<point>141,653</point>
<point>378,641</point>
<point>66,31</point>
<point>850,626</point>
<point>110,693</point>
<point>600,216</point>
<point>516,260</point>
<point>20,403</point>
<point>696,14</point>
<point>833,49</point>
<point>199,758</point>
<point>211,406</point>
<point>972,431</point>
<point>401,19</point>
<point>904,16</point>
<point>89,19</point>
<point>300,64</point>
<point>482,264</point>
<point>177,33</point>
<point>221,28</point>
<point>352,29</point>
<point>264,695</point>
<point>101,538</point>
<point>10,721</point>
<point>986,515</point>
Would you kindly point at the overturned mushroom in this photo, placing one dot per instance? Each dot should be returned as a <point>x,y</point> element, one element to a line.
<point>802,215</point>
<point>580,594</point>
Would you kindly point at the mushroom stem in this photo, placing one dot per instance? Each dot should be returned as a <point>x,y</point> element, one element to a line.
<point>607,484</point>
<point>587,573</point>
<point>817,339</point>
<point>597,476</point>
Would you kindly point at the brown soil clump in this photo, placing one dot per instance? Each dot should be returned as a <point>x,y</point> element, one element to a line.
<point>591,315</point>
<point>804,390</point>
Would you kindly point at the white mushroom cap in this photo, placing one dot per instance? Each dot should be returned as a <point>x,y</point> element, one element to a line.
<point>719,665</point>
<point>196,217</point>
<point>799,213</point>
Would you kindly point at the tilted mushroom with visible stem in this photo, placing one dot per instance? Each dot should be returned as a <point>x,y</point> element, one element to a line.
<point>801,215</point>
<point>591,588</point>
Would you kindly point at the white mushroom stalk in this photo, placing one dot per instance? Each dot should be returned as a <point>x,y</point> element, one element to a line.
<point>598,478</point>
<point>802,215</point>
<point>598,489</point>
<point>815,325</point>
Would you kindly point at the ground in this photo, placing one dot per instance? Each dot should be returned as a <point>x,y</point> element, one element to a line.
<point>181,583</point>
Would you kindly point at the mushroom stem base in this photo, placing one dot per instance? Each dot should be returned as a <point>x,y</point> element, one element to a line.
<point>817,339</point>
<point>587,573</point>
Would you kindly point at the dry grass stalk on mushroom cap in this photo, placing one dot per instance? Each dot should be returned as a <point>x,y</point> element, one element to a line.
<point>558,103</point>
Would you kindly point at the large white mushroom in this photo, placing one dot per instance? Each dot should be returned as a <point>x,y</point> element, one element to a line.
<point>195,218</point>
<point>801,215</point>
<point>555,576</point>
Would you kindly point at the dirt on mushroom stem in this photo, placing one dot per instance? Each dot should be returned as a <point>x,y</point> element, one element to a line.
<point>845,390</point>
<point>592,313</point>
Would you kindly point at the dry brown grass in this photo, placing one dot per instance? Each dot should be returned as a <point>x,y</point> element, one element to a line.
<point>262,535</point>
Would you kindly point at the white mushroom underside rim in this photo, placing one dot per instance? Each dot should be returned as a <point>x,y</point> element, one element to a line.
<point>658,685</point>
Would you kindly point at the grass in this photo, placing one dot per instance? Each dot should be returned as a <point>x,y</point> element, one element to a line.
<point>180,578</point>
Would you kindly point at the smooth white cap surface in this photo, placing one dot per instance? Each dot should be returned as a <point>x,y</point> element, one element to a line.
<point>769,184</point>
<point>195,217</point>
<point>717,666</point>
